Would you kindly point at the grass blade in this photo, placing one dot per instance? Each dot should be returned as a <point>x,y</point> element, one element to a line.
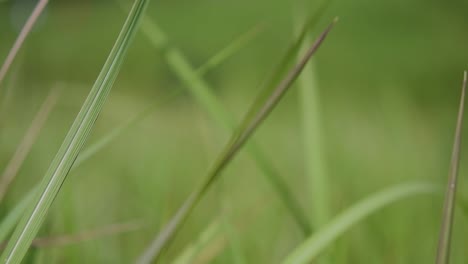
<point>443,249</point>
<point>65,240</point>
<point>228,51</point>
<point>94,148</point>
<point>248,126</point>
<point>10,221</point>
<point>188,255</point>
<point>307,251</point>
<point>7,224</point>
<point>203,93</point>
<point>313,151</point>
<point>13,166</point>
<point>41,4</point>
<point>76,137</point>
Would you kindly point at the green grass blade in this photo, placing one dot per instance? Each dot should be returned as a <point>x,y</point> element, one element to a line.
<point>189,254</point>
<point>308,250</point>
<point>104,141</point>
<point>41,4</point>
<point>10,221</point>
<point>314,154</point>
<point>203,93</point>
<point>228,51</point>
<point>13,166</point>
<point>443,249</point>
<point>76,137</point>
<point>247,127</point>
<point>7,225</point>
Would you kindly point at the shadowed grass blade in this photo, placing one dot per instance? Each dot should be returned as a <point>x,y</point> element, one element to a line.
<point>41,4</point>
<point>13,166</point>
<point>205,96</point>
<point>308,250</point>
<point>251,122</point>
<point>71,146</point>
<point>443,249</point>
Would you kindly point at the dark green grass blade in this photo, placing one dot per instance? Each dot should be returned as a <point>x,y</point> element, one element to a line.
<point>443,249</point>
<point>55,176</point>
<point>41,4</point>
<point>308,250</point>
<point>248,126</point>
<point>205,96</point>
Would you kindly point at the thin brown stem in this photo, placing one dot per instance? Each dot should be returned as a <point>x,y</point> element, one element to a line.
<point>41,4</point>
<point>443,250</point>
<point>27,142</point>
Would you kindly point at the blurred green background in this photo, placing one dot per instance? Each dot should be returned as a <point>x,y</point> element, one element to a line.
<point>389,78</point>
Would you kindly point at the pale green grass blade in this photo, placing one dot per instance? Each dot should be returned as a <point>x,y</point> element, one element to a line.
<point>48,189</point>
<point>247,127</point>
<point>7,225</point>
<point>94,148</point>
<point>190,253</point>
<point>312,136</point>
<point>310,249</point>
<point>203,93</point>
<point>443,249</point>
<point>228,51</point>
<point>13,166</point>
<point>10,221</point>
<point>41,4</point>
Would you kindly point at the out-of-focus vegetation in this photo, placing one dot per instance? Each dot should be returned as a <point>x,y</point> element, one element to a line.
<point>388,80</point>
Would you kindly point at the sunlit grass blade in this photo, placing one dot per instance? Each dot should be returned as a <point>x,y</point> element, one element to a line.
<point>83,236</point>
<point>41,4</point>
<point>74,141</point>
<point>228,51</point>
<point>206,98</point>
<point>443,249</point>
<point>13,166</point>
<point>247,127</point>
<point>310,249</point>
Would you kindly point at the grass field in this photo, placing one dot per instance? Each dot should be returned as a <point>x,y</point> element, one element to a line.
<point>376,110</point>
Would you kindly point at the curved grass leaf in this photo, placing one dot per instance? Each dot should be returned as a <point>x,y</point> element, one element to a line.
<point>41,4</point>
<point>443,250</point>
<point>258,112</point>
<point>205,96</point>
<point>308,250</point>
<point>55,176</point>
